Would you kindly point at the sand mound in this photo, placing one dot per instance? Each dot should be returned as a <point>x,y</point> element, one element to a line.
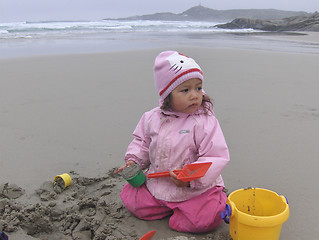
<point>90,208</point>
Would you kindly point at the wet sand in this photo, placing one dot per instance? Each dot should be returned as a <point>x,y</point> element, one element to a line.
<point>76,113</point>
<point>90,208</point>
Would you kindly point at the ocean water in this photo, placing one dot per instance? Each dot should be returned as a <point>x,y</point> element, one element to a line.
<point>67,28</point>
<point>18,39</point>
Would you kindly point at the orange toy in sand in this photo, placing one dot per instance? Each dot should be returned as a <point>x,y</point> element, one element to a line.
<point>148,236</point>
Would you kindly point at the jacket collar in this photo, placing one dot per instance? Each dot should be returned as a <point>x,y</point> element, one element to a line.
<point>199,111</point>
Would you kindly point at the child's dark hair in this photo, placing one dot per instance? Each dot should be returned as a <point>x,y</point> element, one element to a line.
<point>207,104</point>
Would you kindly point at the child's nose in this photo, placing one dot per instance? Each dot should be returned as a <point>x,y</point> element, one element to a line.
<point>194,94</point>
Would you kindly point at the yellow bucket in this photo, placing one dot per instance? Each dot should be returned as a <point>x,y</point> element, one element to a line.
<point>255,213</point>
<point>66,179</point>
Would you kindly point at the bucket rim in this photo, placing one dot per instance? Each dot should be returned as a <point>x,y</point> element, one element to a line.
<point>138,173</point>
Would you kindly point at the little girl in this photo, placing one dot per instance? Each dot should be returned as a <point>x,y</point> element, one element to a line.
<point>181,131</point>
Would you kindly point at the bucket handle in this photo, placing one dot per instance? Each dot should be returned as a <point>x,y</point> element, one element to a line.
<point>226,214</point>
<point>284,199</point>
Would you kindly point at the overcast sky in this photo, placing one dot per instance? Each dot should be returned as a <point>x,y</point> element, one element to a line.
<point>40,10</point>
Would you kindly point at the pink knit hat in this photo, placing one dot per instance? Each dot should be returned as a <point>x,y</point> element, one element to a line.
<point>171,69</point>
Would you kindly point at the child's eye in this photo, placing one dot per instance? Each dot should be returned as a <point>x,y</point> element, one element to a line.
<point>185,90</point>
<point>199,88</point>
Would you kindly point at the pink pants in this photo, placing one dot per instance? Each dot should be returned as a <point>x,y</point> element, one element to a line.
<point>198,214</point>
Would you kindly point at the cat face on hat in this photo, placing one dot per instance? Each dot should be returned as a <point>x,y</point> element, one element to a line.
<point>171,69</point>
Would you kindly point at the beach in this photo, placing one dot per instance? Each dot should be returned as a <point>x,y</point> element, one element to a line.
<point>75,113</point>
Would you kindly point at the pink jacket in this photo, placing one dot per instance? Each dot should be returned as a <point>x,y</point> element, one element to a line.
<point>165,141</point>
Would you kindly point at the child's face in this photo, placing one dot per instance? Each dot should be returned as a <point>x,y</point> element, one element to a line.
<point>188,96</point>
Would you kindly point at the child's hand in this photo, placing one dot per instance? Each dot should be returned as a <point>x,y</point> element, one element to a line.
<point>130,162</point>
<point>178,182</point>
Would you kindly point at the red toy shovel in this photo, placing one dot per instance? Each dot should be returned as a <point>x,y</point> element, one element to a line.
<point>188,173</point>
<point>148,236</point>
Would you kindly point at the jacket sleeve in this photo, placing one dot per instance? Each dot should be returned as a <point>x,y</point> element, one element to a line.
<point>211,147</point>
<point>138,149</point>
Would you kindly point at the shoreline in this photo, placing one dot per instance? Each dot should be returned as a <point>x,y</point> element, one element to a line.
<point>293,42</point>
<point>77,112</point>
<point>300,37</point>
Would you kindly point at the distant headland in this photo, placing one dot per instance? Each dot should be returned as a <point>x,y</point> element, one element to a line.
<point>261,19</point>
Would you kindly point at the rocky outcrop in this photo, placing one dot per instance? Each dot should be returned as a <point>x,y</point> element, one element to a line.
<point>295,23</point>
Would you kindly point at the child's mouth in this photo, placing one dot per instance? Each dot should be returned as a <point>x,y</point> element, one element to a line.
<point>193,105</point>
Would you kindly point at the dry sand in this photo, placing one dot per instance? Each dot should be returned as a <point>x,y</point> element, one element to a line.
<point>76,114</point>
